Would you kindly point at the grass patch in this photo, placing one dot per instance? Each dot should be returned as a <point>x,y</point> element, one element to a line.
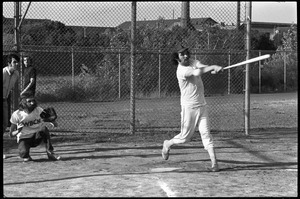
<point>85,88</point>
<point>81,88</point>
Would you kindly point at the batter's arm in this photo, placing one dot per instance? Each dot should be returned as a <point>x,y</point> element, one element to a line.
<point>207,68</point>
<point>201,69</point>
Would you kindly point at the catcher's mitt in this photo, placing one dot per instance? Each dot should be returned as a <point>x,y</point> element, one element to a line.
<point>48,115</point>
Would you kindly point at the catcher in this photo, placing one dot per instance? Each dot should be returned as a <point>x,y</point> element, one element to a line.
<point>28,124</point>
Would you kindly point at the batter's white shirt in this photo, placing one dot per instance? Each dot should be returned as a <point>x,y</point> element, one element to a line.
<point>191,88</point>
<point>31,123</point>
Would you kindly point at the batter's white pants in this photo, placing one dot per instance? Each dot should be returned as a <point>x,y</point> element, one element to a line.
<point>190,119</point>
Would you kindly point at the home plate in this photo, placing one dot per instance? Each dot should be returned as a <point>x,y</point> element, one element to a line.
<point>164,169</point>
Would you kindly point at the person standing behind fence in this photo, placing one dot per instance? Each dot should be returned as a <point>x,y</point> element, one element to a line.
<point>194,111</point>
<point>29,77</point>
<point>10,80</point>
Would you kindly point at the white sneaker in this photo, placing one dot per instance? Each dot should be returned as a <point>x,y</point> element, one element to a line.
<point>215,168</point>
<point>165,151</point>
<point>27,159</point>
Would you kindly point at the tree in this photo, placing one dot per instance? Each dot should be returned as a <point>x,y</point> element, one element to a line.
<point>120,39</point>
<point>261,41</point>
<point>285,54</point>
<point>51,33</point>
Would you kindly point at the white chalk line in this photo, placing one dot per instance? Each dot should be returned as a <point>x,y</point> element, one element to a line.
<point>166,189</point>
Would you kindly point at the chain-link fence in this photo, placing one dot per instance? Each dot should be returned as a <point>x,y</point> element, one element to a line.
<point>280,74</point>
<point>84,70</point>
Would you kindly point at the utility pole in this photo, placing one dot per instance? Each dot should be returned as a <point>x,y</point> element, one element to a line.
<point>185,15</point>
<point>16,91</point>
<point>238,17</point>
<point>132,67</point>
<point>16,25</point>
<point>247,81</point>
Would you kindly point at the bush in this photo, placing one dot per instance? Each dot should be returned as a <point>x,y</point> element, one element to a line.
<point>85,88</point>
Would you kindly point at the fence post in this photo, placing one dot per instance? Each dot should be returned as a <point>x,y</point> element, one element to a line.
<point>247,81</point>
<point>119,73</point>
<point>284,71</point>
<point>132,67</point>
<point>259,74</point>
<point>21,70</point>
<point>229,75</point>
<point>16,91</point>
<point>159,68</point>
<point>73,73</point>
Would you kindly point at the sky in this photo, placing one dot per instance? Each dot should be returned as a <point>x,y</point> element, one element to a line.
<point>111,14</point>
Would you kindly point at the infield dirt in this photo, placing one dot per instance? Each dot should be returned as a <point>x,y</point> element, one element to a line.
<point>265,163</point>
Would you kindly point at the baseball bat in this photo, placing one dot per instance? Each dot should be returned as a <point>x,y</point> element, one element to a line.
<point>246,62</point>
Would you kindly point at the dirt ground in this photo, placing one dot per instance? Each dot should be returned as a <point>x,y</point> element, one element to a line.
<point>265,163</point>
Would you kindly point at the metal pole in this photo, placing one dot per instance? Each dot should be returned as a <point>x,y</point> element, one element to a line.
<point>73,74</point>
<point>21,71</point>
<point>159,68</point>
<point>259,75</point>
<point>24,15</point>
<point>247,81</point>
<point>119,73</point>
<point>132,54</point>
<point>16,30</point>
<point>229,74</point>
<point>16,92</point>
<point>284,72</point>
<point>184,14</point>
<point>238,17</point>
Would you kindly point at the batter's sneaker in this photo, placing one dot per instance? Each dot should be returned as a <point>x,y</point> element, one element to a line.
<point>165,151</point>
<point>27,159</point>
<point>52,156</point>
<point>214,168</point>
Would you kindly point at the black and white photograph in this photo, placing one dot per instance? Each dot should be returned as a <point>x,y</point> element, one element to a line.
<point>150,99</point>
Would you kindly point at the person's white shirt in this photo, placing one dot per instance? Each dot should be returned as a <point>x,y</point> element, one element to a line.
<point>191,88</point>
<point>29,122</point>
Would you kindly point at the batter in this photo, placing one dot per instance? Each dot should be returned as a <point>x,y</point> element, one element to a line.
<point>194,110</point>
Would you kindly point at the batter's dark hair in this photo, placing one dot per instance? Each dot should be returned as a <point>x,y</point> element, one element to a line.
<point>174,58</point>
